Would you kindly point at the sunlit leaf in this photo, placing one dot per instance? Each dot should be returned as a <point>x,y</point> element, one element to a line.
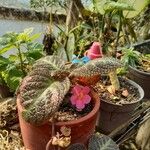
<point>35,36</point>
<point>138,5</point>
<point>6,48</point>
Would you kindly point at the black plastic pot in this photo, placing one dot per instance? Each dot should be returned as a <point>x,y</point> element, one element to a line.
<point>4,91</point>
<point>140,77</point>
<point>113,115</point>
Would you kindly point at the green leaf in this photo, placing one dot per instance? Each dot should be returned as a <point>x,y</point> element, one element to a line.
<point>8,39</point>
<point>13,58</point>
<point>70,46</point>
<point>53,63</point>
<point>104,6</point>
<point>35,51</point>
<point>41,93</point>
<point>130,57</point>
<point>35,54</point>
<point>13,82</point>
<point>42,97</point>
<point>99,5</point>
<point>102,142</point>
<point>110,6</point>
<point>12,76</point>
<point>3,63</point>
<point>6,48</point>
<point>138,5</point>
<point>61,53</point>
<point>35,36</point>
<point>28,31</point>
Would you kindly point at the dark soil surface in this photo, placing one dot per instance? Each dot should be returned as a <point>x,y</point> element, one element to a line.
<point>126,94</point>
<point>67,112</point>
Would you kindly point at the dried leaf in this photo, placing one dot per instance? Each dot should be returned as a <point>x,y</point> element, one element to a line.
<point>65,131</point>
<point>125,93</point>
<point>111,89</point>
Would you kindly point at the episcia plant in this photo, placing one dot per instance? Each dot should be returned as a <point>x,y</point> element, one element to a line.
<point>96,142</point>
<point>43,90</point>
<point>18,52</point>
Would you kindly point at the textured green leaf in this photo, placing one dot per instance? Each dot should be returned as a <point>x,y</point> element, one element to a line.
<point>97,66</point>
<point>53,63</point>
<point>41,93</point>
<point>61,53</point>
<point>102,142</point>
<point>41,97</point>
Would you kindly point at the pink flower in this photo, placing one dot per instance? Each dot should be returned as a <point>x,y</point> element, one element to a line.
<point>80,96</point>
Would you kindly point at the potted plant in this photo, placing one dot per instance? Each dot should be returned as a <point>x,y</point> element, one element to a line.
<point>53,87</point>
<point>119,98</point>
<point>139,70</point>
<point>18,52</point>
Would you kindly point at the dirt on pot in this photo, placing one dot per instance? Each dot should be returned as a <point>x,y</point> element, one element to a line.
<point>126,94</point>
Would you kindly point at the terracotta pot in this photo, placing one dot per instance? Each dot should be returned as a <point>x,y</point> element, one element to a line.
<point>37,137</point>
<point>113,115</point>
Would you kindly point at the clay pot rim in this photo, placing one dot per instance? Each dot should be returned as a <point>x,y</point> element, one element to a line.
<point>139,71</point>
<point>95,110</point>
<point>141,92</point>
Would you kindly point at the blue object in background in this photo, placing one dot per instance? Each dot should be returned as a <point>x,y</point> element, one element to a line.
<point>83,60</point>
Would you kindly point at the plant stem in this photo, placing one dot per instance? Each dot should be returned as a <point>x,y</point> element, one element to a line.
<point>53,134</point>
<point>102,27</point>
<point>114,80</point>
<point>21,60</point>
<point>119,28</point>
<point>51,21</point>
<point>66,42</point>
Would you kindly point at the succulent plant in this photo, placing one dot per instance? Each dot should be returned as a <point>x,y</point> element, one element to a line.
<point>44,88</point>
<point>96,142</point>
